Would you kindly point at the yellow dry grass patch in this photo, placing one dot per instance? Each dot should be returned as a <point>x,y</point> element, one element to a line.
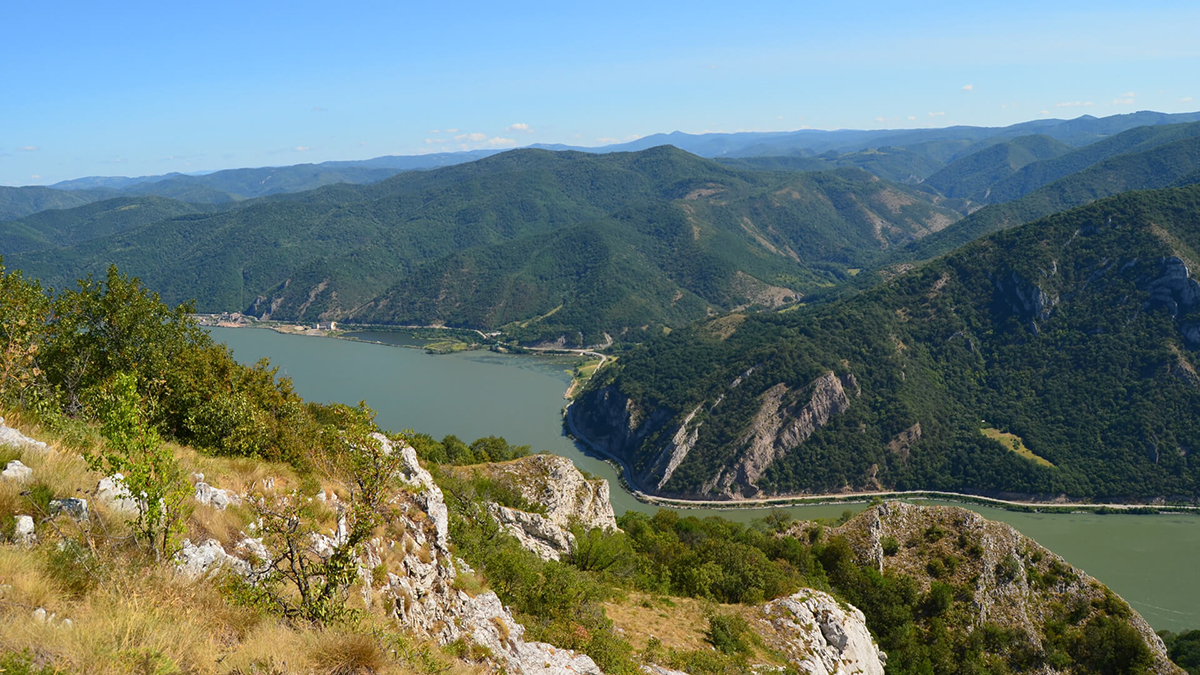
<point>1016,444</point>
<point>679,623</point>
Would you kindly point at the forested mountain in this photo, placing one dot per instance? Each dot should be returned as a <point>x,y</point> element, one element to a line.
<point>602,243</point>
<point>64,227</point>
<point>18,202</point>
<point>1058,357</point>
<point>1170,164</point>
<point>975,173</point>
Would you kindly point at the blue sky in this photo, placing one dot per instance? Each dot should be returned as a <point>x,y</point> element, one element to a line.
<point>150,88</point>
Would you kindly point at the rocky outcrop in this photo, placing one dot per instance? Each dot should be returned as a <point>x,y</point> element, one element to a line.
<point>1014,582</point>
<point>1024,298</point>
<point>17,472</point>
<point>677,450</point>
<point>14,439</point>
<point>1173,290</point>
<point>215,497</point>
<point>606,420</point>
<point>819,635</point>
<point>779,427</point>
<point>901,444</point>
<point>536,532</point>
<point>112,492</point>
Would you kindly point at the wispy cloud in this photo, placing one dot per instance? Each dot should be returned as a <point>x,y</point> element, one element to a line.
<point>912,118</point>
<point>452,131</point>
<point>28,148</point>
<point>1186,99</point>
<point>498,142</point>
<point>434,141</point>
<point>938,113</point>
<point>1124,99</point>
<point>317,108</point>
<point>519,126</point>
<point>1072,104</point>
<point>35,177</point>
<point>473,137</point>
<point>968,87</point>
<point>1044,112</point>
<point>302,148</point>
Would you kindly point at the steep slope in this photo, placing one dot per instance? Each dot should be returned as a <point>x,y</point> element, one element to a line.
<point>56,228</point>
<point>1076,334</point>
<point>658,237</point>
<point>18,202</point>
<point>976,173</point>
<point>1165,165</point>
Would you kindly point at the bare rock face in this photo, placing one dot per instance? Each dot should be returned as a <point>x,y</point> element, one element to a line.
<point>555,483</point>
<point>113,493</point>
<point>779,427</point>
<point>215,497</point>
<point>198,560</point>
<point>536,532</point>
<point>820,636</point>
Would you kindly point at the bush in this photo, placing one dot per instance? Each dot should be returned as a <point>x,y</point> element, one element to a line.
<point>730,634</point>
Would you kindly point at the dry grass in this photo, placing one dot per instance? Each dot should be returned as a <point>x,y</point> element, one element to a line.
<point>679,623</point>
<point>1016,444</point>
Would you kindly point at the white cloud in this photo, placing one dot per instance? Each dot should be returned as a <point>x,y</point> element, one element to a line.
<point>28,148</point>
<point>632,137</point>
<point>317,108</point>
<point>968,87</point>
<point>1186,99</point>
<point>474,138</point>
<point>35,177</point>
<point>1122,101</point>
<point>519,126</point>
<point>452,131</point>
<point>302,148</point>
<point>432,141</point>
<point>912,118</point>
<point>435,131</point>
<point>498,142</point>
<point>1128,94</point>
<point>1044,112</point>
<point>937,114</point>
<point>878,119</point>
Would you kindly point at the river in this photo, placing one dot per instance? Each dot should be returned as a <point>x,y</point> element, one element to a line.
<point>1151,561</point>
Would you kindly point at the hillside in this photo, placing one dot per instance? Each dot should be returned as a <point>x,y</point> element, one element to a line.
<point>1077,334</point>
<point>609,243</point>
<point>1163,165</point>
<point>18,202</point>
<point>975,173</point>
<point>65,227</point>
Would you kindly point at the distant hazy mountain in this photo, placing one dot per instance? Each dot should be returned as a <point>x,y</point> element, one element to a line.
<point>547,245</point>
<point>975,173</point>
<point>18,202</point>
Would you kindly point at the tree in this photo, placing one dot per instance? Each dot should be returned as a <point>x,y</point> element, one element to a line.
<point>23,311</point>
<point>148,469</point>
<point>320,569</point>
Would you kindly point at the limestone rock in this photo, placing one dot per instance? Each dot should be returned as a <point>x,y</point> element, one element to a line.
<point>488,623</point>
<point>18,472</point>
<point>195,561</point>
<point>555,483</point>
<point>113,493</point>
<point>820,635</point>
<point>215,497</point>
<point>14,439</point>
<point>77,509</point>
<point>536,532</point>
<point>23,531</point>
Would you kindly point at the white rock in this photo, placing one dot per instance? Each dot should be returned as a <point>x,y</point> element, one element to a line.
<point>113,493</point>
<point>77,509</point>
<point>16,471</point>
<point>14,439</point>
<point>820,635</point>
<point>489,624</point>
<point>536,532</point>
<point>39,615</point>
<point>195,561</point>
<point>215,497</point>
<point>23,532</point>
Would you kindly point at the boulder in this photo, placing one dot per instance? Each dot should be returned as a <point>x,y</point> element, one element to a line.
<point>77,509</point>
<point>195,561</point>
<point>215,497</point>
<point>112,492</point>
<point>820,635</point>
<point>17,472</point>
<point>23,531</point>
<point>14,439</point>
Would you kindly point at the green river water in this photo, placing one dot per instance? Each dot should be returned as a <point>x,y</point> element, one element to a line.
<point>1151,561</point>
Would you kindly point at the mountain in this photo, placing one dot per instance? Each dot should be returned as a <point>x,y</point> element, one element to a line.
<point>900,165</point>
<point>975,173</point>
<point>65,227</point>
<point>1054,358</point>
<point>571,245</point>
<point>1170,164</point>
<point>18,202</point>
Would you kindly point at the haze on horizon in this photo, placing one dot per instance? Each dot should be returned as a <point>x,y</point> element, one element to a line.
<point>156,89</point>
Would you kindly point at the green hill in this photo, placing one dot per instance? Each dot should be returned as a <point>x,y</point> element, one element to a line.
<point>18,202</point>
<point>1075,335</point>
<point>615,242</point>
<point>975,173</point>
<point>65,227</point>
<point>1170,164</point>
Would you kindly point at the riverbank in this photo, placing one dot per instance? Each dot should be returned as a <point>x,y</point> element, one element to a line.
<point>1030,506</point>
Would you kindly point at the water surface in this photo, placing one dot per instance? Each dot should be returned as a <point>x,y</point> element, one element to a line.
<point>1151,561</point>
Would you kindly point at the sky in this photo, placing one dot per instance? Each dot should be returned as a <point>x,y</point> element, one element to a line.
<point>151,88</point>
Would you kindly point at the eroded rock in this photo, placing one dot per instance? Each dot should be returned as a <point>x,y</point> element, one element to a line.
<point>820,635</point>
<point>17,472</point>
<point>14,439</point>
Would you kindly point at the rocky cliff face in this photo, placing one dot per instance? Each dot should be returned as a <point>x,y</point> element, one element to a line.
<point>819,635</point>
<point>1014,582</point>
<point>787,417</point>
<point>568,497</point>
